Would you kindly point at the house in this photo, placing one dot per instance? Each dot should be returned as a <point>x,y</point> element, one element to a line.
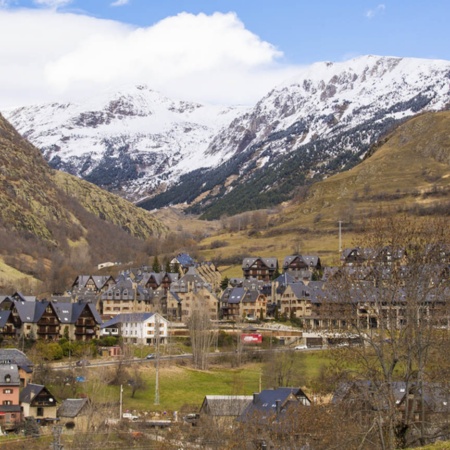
<point>15,356</point>
<point>243,303</point>
<point>191,292</point>
<point>75,413</point>
<point>260,268</point>
<point>81,320</point>
<point>137,328</point>
<point>224,409</point>
<point>10,410</point>
<point>37,401</point>
<point>270,405</point>
<point>182,261</point>
<point>302,267</point>
<point>125,297</point>
<point>293,301</point>
<point>93,283</point>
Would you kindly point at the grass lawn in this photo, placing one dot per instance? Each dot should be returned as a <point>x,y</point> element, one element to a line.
<point>182,385</point>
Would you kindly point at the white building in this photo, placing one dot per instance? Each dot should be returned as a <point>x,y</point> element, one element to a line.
<point>137,328</point>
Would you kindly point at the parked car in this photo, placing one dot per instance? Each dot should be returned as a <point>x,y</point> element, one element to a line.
<point>150,356</point>
<point>300,347</point>
<point>130,416</point>
<point>82,363</point>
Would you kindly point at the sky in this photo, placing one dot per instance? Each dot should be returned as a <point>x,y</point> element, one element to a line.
<point>210,51</point>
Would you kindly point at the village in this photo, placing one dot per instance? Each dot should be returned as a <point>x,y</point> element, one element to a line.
<point>147,307</point>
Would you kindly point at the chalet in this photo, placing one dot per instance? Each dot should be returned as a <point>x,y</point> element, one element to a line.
<point>260,268</point>
<point>81,320</point>
<point>137,328</point>
<point>293,301</point>
<point>10,410</point>
<point>302,267</point>
<point>153,280</point>
<point>37,401</point>
<point>94,283</point>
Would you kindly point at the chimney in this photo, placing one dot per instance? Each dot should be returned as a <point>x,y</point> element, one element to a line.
<point>278,406</point>
<point>255,397</point>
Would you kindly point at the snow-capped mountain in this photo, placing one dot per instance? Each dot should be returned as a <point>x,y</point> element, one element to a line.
<point>323,121</point>
<point>131,142</point>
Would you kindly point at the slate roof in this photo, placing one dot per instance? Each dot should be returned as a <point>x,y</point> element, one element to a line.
<point>185,260</point>
<point>70,312</point>
<point>30,311</point>
<point>225,405</point>
<point>30,391</point>
<point>12,355</point>
<point>264,404</point>
<point>12,371</point>
<point>4,316</point>
<point>71,407</point>
<point>269,262</point>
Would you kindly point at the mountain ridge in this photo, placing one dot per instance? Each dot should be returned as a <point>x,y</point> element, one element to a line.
<point>314,125</point>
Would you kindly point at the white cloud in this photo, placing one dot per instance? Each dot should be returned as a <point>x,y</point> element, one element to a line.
<point>371,13</point>
<point>54,56</point>
<point>120,3</point>
<point>52,3</point>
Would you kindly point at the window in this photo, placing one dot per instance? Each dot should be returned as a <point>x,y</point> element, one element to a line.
<point>7,402</point>
<point>40,411</point>
<point>8,378</point>
<point>7,391</point>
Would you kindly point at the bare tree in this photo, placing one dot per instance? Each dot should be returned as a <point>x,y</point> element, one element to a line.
<point>201,333</point>
<point>396,305</point>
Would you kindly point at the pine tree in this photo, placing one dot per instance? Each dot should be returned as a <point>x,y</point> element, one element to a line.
<point>156,266</point>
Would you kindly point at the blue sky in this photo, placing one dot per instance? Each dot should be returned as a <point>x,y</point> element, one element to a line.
<point>210,50</point>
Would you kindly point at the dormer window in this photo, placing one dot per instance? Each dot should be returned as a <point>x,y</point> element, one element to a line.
<point>7,378</point>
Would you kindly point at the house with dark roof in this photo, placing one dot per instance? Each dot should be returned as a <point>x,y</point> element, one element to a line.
<point>302,267</point>
<point>125,297</point>
<point>15,356</point>
<point>37,401</point>
<point>272,405</point>
<point>259,268</point>
<point>183,261</point>
<point>191,292</point>
<point>10,410</point>
<point>93,283</point>
<point>243,303</point>
<point>81,320</point>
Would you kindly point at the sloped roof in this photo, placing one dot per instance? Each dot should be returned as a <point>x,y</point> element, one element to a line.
<point>30,391</point>
<point>269,262</point>
<point>71,407</point>
<point>12,371</point>
<point>30,311</point>
<point>15,356</point>
<point>4,316</point>
<point>225,405</point>
<point>265,403</point>
<point>70,312</point>
<point>185,260</point>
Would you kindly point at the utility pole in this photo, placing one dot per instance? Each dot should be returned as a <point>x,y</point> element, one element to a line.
<point>120,402</point>
<point>157,359</point>
<point>340,238</point>
<point>57,430</point>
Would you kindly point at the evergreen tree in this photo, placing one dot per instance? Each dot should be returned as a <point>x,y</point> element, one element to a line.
<point>224,283</point>
<point>156,267</point>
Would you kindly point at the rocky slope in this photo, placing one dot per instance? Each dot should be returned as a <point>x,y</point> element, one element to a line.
<point>133,142</point>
